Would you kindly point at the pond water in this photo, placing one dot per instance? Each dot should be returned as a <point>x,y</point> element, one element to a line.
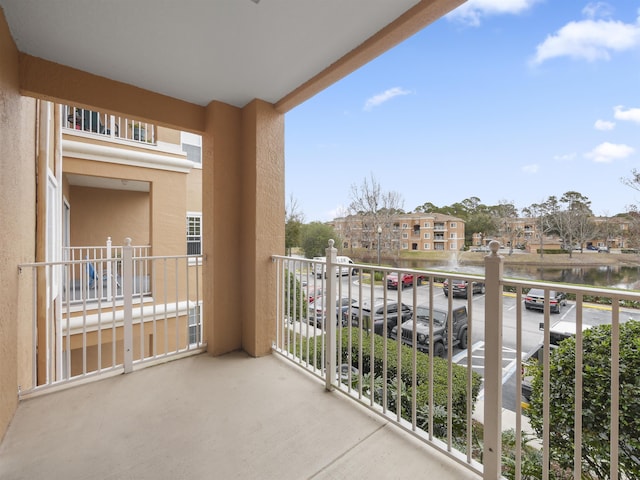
<point>627,277</point>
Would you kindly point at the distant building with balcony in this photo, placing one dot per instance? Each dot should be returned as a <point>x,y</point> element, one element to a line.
<point>423,232</point>
<point>610,232</point>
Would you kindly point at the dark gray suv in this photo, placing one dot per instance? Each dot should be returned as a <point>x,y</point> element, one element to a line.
<point>373,315</point>
<point>442,321</point>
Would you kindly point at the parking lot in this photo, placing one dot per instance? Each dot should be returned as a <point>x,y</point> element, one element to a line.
<point>530,327</point>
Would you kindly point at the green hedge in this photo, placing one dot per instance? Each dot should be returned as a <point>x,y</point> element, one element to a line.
<point>440,377</point>
<point>440,370</point>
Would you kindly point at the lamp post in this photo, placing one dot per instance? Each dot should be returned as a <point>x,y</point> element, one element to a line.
<point>379,235</point>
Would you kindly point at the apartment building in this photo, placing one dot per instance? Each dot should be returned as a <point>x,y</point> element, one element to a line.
<point>111,181</point>
<point>609,232</point>
<point>409,231</point>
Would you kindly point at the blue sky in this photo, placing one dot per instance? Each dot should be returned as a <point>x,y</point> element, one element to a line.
<point>504,100</point>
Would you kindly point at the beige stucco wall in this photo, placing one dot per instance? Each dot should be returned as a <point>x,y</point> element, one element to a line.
<point>167,135</point>
<point>17,217</point>
<point>98,213</point>
<point>194,190</point>
<point>165,231</point>
<point>263,205</point>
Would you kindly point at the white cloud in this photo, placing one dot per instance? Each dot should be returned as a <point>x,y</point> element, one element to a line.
<point>589,40</point>
<point>533,168</point>
<point>597,10</point>
<point>608,152</point>
<point>604,125</point>
<point>630,114</point>
<point>385,96</point>
<point>567,157</point>
<point>473,11</point>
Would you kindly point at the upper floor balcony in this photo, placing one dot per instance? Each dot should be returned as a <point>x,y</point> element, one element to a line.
<point>107,127</point>
<point>400,405</point>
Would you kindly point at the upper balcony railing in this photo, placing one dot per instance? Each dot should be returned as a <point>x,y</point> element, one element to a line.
<point>108,126</point>
<point>100,276</point>
<point>378,346</point>
<point>94,335</point>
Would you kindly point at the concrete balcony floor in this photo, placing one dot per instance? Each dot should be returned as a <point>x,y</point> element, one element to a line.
<point>204,417</point>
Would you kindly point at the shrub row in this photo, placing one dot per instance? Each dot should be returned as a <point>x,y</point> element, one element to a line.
<point>440,370</point>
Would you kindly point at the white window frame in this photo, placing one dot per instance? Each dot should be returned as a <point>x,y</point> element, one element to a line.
<point>405,246</point>
<point>405,225</point>
<point>194,325</point>
<point>427,236</point>
<point>427,224</point>
<point>427,246</point>
<point>453,225</point>
<point>453,246</point>
<point>191,139</point>
<point>194,215</point>
<point>405,235</point>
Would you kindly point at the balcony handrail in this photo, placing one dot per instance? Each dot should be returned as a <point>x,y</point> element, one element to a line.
<point>74,341</point>
<point>77,119</point>
<point>299,334</point>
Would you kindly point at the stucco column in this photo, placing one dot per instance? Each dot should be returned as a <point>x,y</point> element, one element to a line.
<point>243,224</point>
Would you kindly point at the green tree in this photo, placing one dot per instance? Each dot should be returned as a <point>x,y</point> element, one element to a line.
<point>296,298</point>
<point>315,239</point>
<point>596,403</point>
<point>293,225</point>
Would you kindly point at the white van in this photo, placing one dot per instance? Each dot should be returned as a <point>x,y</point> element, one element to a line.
<point>320,262</point>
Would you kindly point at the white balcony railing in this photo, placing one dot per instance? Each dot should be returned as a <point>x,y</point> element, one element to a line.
<point>100,276</point>
<point>94,335</point>
<point>475,392</point>
<point>108,126</point>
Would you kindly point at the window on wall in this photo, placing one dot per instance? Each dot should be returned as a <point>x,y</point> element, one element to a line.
<point>427,246</point>
<point>194,234</point>
<point>453,225</point>
<point>195,325</point>
<point>192,146</point>
<point>405,235</point>
<point>427,236</point>
<point>427,225</point>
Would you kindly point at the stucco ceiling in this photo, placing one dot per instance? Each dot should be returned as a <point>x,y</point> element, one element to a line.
<point>200,50</point>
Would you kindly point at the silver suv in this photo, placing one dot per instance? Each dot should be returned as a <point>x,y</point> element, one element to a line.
<point>534,300</point>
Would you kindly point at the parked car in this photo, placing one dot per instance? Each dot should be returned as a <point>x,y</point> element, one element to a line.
<point>592,247</point>
<point>312,293</point>
<point>373,315</point>
<point>406,279</point>
<point>459,288</point>
<point>318,309</point>
<point>558,332</point>
<point>603,250</point>
<point>481,248</point>
<point>534,300</point>
<point>441,324</point>
<point>319,265</point>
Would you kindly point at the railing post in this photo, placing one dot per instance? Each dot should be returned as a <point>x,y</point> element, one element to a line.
<point>330,323</point>
<point>127,291</point>
<point>492,455</point>
<point>109,269</point>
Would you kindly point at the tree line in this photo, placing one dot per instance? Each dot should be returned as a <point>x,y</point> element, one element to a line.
<point>568,217</point>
